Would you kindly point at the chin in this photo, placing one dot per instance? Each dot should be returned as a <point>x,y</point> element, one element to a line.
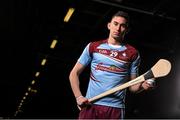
<point>119,39</point>
<point>116,35</point>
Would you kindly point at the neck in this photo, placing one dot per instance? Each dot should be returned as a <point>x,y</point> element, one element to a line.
<point>114,41</point>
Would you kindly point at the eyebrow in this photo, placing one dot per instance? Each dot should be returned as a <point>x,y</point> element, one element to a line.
<point>121,23</point>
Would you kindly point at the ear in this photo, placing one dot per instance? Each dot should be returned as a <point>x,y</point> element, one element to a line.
<point>108,26</point>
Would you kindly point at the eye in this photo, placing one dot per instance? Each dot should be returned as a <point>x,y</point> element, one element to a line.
<point>115,23</point>
<point>124,25</point>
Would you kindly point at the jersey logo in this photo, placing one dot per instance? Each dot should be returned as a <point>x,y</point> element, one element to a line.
<point>111,68</point>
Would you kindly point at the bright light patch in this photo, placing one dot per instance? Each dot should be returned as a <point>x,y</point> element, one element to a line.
<point>53,44</point>
<point>43,62</point>
<point>69,14</point>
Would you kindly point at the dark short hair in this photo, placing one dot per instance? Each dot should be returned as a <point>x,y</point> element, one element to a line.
<point>122,14</point>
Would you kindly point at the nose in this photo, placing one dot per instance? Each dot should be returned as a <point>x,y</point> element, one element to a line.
<point>121,28</point>
<point>118,28</point>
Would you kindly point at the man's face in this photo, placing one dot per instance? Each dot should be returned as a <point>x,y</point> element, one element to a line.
<point>117,27</point>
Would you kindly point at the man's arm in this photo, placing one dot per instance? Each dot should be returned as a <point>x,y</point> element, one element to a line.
<point>140,86</point>
<point>75,84</point>
<point>74,79</point>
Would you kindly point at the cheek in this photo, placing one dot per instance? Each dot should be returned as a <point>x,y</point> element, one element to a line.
<point>112,27</point>
<point>123,29</point>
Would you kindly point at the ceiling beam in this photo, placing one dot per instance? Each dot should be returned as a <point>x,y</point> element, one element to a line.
<point>135,9</point>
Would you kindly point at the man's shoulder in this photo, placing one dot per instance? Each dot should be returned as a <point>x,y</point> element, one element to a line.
<point>130,47</point>
<point>93,45</point>
<point>96,43</point>
<point>132,52</point>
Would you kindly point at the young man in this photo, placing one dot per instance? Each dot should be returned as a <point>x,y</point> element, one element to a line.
<point>113,62</point>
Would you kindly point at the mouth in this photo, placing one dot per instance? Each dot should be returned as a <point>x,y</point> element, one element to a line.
<point>116,33</point>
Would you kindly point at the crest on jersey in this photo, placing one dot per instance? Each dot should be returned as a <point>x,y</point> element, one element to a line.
<point>124,54</point>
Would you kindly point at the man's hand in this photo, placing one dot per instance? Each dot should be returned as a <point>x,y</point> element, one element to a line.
<point>82,102</point>
<point>148,84</point>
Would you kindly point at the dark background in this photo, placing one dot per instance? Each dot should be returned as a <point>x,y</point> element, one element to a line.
<point>28,28</point>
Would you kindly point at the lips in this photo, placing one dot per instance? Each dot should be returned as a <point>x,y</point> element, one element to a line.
<point>116,33</point>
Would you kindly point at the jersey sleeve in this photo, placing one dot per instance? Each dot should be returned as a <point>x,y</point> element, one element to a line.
<point>85,57</point>
<point>134,69</point>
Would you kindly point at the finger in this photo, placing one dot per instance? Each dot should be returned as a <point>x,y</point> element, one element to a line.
<point>85,104</point>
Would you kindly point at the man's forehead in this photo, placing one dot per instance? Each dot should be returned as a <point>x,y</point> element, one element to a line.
<point>119,19</point>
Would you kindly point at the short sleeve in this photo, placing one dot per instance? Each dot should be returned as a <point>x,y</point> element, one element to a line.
<point>134,69</point>
<point>85,57</point>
